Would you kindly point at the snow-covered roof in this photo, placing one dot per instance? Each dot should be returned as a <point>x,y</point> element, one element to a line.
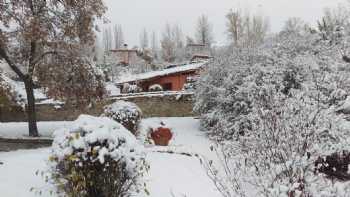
<point>159,73</point>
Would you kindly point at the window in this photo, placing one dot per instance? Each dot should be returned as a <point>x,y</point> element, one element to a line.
<point>167,86</point>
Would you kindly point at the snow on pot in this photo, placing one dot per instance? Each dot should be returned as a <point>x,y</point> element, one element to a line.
<point>161,135</point>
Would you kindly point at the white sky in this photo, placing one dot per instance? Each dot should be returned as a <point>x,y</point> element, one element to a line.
<point>135,15</point>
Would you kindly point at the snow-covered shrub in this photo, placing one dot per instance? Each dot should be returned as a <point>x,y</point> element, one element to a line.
<point>5,93</point>
<point>155,88</point>
<point>277,155</point>
<point>9,91</point>
<point>224,96</point>
<point>272,111</point>
<point>130,88</point>
<point>291,80</point>
<point>231,84</point>
<point>191,83</point>
<point>97,157</point>
<point>126,113</point>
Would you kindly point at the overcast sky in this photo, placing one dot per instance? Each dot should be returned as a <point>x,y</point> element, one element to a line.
<point>134,15</point>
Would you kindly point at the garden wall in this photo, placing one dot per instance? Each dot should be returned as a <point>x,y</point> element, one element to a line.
<point>152,105</point>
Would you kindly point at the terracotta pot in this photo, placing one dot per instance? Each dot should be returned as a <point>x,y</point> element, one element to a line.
<point>161,136</point>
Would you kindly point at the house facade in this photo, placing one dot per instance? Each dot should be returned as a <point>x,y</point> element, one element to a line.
<point>172,79</point>
<point>172,82</point>
<point>125,56</point>
<point>197,50</point>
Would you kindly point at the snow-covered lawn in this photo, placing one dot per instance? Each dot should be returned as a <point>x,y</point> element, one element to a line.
<point>18,172</point>
<point>20,129</point>
<point>179,174</point>
<point>170,174</point>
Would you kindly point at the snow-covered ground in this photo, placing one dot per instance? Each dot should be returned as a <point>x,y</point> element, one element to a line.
<point>20,129</point>
<point>18,173</point>
<point>179,174</point>
<point>112,89</point>
<point>170,174</point>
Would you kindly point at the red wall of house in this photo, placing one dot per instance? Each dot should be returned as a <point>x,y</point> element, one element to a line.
<point>177,81</point>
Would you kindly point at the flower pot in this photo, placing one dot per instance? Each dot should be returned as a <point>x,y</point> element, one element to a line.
<point>161,136</point>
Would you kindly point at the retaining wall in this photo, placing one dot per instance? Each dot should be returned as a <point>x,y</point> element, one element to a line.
<point>152,105</point>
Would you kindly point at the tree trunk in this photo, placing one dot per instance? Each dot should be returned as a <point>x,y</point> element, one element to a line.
<point>30,108</point>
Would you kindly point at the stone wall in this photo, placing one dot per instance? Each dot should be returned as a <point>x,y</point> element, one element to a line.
<point>177,105</point>
<point>153,105</point>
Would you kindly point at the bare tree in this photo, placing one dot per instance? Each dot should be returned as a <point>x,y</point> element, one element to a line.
<point>178,36</point>
<point>189,40</point>
<point>246,30</point>
<point>334,26</point>
<point>168,45</point>
<point>294,25</point>
<point>179,41</point>
<point>107,39</point>
<point>154,45</point>
<point>257,29</point>
<point>173,43</point>
<point>234,25</point>
<point>338,16</point>
<point>118,36</point>
<point>204,31</point>
<point>144,39</point>
<point>34,32</point>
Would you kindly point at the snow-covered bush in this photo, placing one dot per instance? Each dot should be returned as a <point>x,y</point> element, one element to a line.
<point>126,113</point>
<point>224,96</point>
<point>191,83</point>
<point>130,88</point>
<point>8,93</point>
<point>277,155</point>
<point>5,92</point>
<point>97,157</point>
<point>155,88</point>
<point>272,111</point>
<point>229,87</point>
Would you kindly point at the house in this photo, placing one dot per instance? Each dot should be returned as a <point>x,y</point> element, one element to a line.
<point>197,50</point>
<point>171,79</point>
<point>199,58</point>
<point>125,56</point>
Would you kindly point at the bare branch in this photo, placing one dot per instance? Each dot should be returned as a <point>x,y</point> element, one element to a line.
<point>4,55</point>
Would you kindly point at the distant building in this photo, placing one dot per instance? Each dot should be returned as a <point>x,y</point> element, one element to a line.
<point>125,56</point>
<point>197,50</point>
<point>171,79</point>
<point>198,58</point>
